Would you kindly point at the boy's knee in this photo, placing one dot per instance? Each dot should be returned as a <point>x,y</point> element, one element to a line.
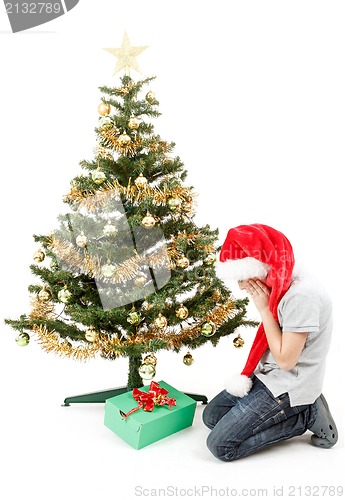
<point>217,448</point>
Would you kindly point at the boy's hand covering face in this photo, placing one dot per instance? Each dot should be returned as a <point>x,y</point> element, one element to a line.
<point>260,294</point>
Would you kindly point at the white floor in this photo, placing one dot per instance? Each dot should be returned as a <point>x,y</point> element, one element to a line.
<point>49,451</point>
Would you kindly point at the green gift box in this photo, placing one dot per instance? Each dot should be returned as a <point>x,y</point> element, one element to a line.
<point>145,427</point>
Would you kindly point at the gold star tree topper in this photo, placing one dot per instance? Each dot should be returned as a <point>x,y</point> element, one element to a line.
<point>126,56</point>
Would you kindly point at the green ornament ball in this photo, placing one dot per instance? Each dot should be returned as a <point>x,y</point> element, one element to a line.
<point>105,121</point>
<point>174,204</point>
<point>98,176</point>
<point>134,318</point>
<point>64,295</point>
<point>23,339</point>
<point>208,329</point>
<point>108,270</point>
<point>210,259</point>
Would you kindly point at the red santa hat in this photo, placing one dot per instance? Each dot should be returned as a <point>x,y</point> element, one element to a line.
<point>257,251</point>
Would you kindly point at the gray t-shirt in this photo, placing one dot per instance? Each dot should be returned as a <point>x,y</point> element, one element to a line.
<point>306,307</point>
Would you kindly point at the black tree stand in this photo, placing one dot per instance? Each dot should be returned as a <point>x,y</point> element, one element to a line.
<point>134,380</point>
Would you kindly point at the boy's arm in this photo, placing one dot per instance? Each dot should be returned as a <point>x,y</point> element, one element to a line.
<point>285,347</point>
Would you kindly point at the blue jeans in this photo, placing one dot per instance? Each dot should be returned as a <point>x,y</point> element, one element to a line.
<point>242,426</point>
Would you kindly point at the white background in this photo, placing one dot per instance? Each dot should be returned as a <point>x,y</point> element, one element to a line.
<point>253,95</point>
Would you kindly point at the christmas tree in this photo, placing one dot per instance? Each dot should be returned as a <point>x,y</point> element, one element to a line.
<point>128,272</point>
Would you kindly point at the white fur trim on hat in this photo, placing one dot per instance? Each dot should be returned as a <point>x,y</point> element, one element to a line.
<point>242,269</point>
<point>239,385</point>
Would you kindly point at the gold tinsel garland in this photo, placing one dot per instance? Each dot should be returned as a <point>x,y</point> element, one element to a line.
<point>159,145</point>
<point>51,341</point>
<point>103,152</point>
<point>113,139</point>
<point>41,309</point>
<point>130,268</point>
<point>91,264</point>
<point>93,201</point>
<point>218,316</point>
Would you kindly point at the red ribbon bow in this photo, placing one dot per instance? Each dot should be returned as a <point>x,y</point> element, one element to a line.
<point>156,396</point>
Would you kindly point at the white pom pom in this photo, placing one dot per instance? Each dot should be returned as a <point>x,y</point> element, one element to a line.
<point>241,269</point>
<point>239,385</point>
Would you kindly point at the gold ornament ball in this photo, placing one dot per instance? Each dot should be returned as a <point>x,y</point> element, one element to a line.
<point>150,96</point>
<point>188,359</point>
<point>160,321</point>
<point>91,334</point>
<point>133,123</point>
<point>150,359</point>
<point>147,371</point>
<point>124,139</point>
<point>140,280</point>
<point>44,295</point>
<point>39,256</point>
<point>81,240</point>
<point>108,270</point>
<point>140,181</point>
<point>174,204</point>
<point>23,339</point>
<point>208,329</point>
<point>238,342</point>
<point>110,230</point>
<point>104,109</point>
<point>148,221</point>
<point>210,259</point>
<point>182,312</point>
<point>64,295</point>
<point>134,318</point>
<point>98,176</point>
<point>182,262</point>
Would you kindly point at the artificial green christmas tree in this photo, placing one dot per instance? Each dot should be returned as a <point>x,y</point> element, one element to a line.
<point>128,272</point>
